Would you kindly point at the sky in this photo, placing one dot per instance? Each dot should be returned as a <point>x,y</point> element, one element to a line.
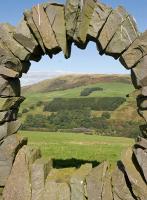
<point>81,61</point>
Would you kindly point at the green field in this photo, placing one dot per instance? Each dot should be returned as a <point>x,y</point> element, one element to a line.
<point>70,149</point>
<point>114,89</point>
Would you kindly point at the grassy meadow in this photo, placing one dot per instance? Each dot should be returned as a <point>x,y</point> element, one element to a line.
<point>70,149</point>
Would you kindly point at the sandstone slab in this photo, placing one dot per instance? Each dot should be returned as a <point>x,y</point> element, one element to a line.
<point>8,150</point>
<point>114,21</point>
<point>123,38</point>
<point>10,103</point>
<point>77,182</point>
<point>10,115</point>
<point>141,156</point>
<point>95,181</point>
<point>18,185</point>
<point>8,72</point>
<point>56,190</point>
<point>72,10</point>
<point>119,185</point>
<point>6,34</point>
<point>98,19</point>
<point>9,87</point>
<point>30,22</point>
<point>44,27</point>
<point>55,13</point>
<point>135,52</point>
<point>9,128</point>
<point>138,185</point>
<point>107,186</point>
<point>87,10</point>
<point>139,73</point>
<point>39,172</point>
<point>141,143</point>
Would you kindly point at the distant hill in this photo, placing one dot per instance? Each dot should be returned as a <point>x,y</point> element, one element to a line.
<point>73,81</point>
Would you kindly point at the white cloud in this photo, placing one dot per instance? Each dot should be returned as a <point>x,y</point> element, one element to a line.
<point>35,76</point>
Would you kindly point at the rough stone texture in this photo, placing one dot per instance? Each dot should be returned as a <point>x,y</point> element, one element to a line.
<point>39,172</point>
<point>18,184</point>
<point>32,26</point>
<point>138,185</point>
<point>139,73</point>
<point>55,190</point>
<point>55,13</point>
<point>119,186</point>
<point>8,150</point>
<point>135,52</point>
<point>123,38</point>
<point>9,87</point>
<point>77,182</point>
<point>95,181</point>
<point>84,21</point>
<point>10,103</point>
<point>10,115</point>
<point>98,19</point>
<point>7,59</point>
<point>72,10</point>
<point>9,128</point>
<point>24,36</point>
<point>44,27</point>
<point>116,18</point>
<point>141,143</point>
<point>8,72</point>
<point>6,35</point>
<point>141,156</point>
<point>107,187</point>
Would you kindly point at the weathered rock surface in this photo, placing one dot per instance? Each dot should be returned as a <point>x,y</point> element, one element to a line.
<point>72,10</point>
<point>78,181</point>
<point>6,35</point>
<point>107,187</point>
<point>138,185</point>
<point>8,72</point>
<point>9,128</point>
<point>123,38</point>
<point>44,27</point>
<point>135,52</point>
<point>85,17</point>
<point>141,143</point>
<point>24,36</point>
<point>57,184</point>
<point>8,150</point>
<point>139,73</point>
<point>10,103</point>
<point>55,13</point>
<point>95,182</point>
<point>18,185</point>
<point>115,19</point>
<point>32,26</point>
<point>141,156</point>
<point>119,185</point>
<point>9,87</point>
<point>98,19</point>
<point>39,172</point>
<point>10,115</point>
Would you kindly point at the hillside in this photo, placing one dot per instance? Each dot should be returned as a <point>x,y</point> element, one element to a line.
<point>73,81</point>
<point>109,105</point>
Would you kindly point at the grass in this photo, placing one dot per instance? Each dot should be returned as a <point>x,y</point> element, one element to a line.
<point>110,90</point>
<point>70,149</point>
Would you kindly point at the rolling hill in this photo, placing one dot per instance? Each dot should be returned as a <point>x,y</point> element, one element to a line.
<point>70,87</point>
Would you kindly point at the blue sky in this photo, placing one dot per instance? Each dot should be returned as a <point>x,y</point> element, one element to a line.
<point>81,61</point>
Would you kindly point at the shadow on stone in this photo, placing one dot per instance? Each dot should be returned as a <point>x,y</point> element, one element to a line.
<point>58,163</point>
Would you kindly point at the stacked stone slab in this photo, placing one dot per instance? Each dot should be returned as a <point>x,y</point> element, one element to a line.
<point>49,28</point>
<point>34,178</point>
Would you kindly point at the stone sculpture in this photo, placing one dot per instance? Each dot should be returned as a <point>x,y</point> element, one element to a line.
<point>49,28</point>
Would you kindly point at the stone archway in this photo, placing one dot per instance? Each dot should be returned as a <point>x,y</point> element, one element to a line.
<point>51,28</point>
